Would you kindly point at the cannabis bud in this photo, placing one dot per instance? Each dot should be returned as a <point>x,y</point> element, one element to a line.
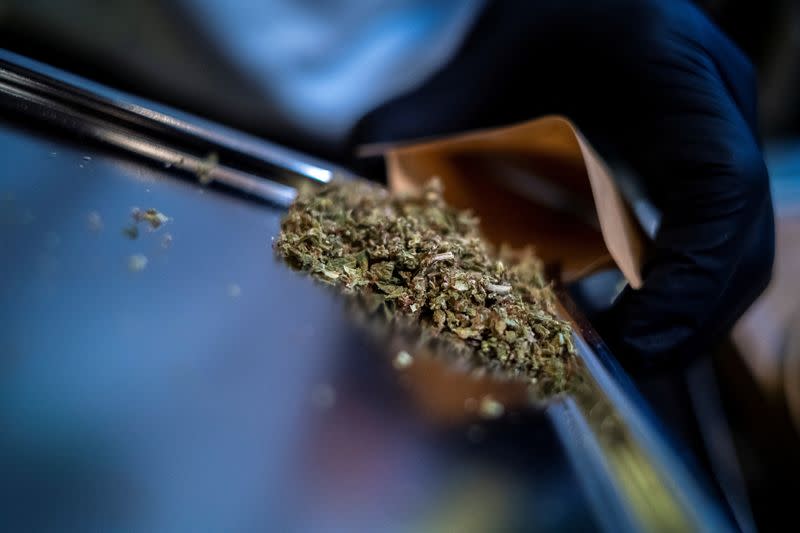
<point>428,262</point>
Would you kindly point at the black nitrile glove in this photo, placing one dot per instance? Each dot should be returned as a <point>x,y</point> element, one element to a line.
<point>657,84</point>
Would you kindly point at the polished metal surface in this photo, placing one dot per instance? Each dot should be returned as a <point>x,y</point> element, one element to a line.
<point>168,136</point>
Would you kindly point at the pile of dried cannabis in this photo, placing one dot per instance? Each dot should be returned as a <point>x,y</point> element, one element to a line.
<point>429,262</point>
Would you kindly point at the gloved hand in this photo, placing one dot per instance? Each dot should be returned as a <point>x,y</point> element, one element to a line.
<point>656,83</point>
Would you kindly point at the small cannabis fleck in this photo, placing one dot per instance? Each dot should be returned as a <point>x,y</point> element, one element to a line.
<point>427,261</point>
<point>490,408</point>
<point>132,231</point>
<point>205,170</point>
<point>151,216</point>
<point>137,263</point>
<point>402,360</point>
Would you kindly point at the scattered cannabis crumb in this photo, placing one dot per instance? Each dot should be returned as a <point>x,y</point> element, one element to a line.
<point>94,221</point>
<point>206,169</point>
<point>87,158</point>
<point>428,262</point>
<point>132,231</point>
<point>234,290</point>
<point>402,360</point>
<point>490,408</point>
<point>137,263</point>
<point>151,216</point>
<point>166,240</point>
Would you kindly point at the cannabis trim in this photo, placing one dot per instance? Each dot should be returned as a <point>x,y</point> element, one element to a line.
<point>428,261</point>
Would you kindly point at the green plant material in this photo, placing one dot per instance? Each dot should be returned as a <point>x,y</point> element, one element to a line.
<point>205,170</point>
<point>490,408</point>
<point>137,262</point>
<point>402,360</point>
<point>428,262</point>
<point>151,216</point>
<point>132,231</point>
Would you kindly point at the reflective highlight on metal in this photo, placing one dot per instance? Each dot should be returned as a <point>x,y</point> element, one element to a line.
<point>73,103</point>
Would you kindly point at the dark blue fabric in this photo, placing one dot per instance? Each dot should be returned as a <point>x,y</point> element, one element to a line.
<point>655,83</point>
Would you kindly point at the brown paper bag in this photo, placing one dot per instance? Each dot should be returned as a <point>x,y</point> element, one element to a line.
<point>537,183</point>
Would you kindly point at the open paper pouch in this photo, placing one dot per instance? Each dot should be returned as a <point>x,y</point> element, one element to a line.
<point>538,183</point>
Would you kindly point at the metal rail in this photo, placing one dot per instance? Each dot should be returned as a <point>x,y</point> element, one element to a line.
<point>167,136</point>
